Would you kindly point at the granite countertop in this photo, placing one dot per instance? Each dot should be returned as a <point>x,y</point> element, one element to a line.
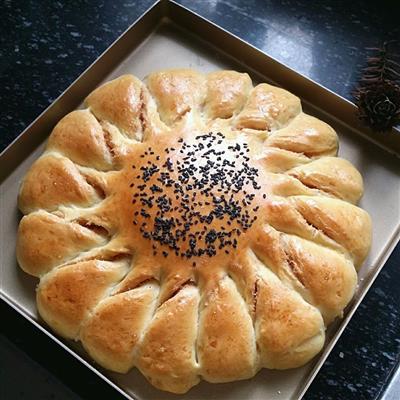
<point>45,45</point>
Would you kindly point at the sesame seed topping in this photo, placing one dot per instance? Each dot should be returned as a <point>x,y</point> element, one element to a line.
<point>196,199</point>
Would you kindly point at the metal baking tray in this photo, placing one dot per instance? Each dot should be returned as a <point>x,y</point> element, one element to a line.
<point>169,35</point>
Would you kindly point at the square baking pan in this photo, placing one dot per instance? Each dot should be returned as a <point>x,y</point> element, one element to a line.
<point>169,35</point>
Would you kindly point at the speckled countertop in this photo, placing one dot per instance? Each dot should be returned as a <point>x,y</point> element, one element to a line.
<point>45,45</point>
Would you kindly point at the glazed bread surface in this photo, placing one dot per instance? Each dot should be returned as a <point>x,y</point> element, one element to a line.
<point>193,226</point>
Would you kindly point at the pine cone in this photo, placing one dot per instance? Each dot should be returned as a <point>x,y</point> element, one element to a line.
<point>379,105</point>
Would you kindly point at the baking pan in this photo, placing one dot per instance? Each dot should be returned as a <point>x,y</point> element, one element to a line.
<point>169,35</point>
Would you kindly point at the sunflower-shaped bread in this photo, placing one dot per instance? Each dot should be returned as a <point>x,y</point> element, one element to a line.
<point>193,226</point>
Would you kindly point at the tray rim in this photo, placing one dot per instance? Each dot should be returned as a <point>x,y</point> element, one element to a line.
<point>162,11</point>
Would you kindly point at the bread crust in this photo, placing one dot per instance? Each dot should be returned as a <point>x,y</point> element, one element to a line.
<point>292,234</point>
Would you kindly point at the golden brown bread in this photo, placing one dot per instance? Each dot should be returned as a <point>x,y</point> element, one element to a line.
<point>80,137</point>
<point>193,227</point>
<point>166,355</point>
<point>115,327</point>
<point>66,296</point>
<point>46,241</point>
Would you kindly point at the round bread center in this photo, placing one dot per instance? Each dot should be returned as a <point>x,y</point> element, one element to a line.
<point>194,198</point>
